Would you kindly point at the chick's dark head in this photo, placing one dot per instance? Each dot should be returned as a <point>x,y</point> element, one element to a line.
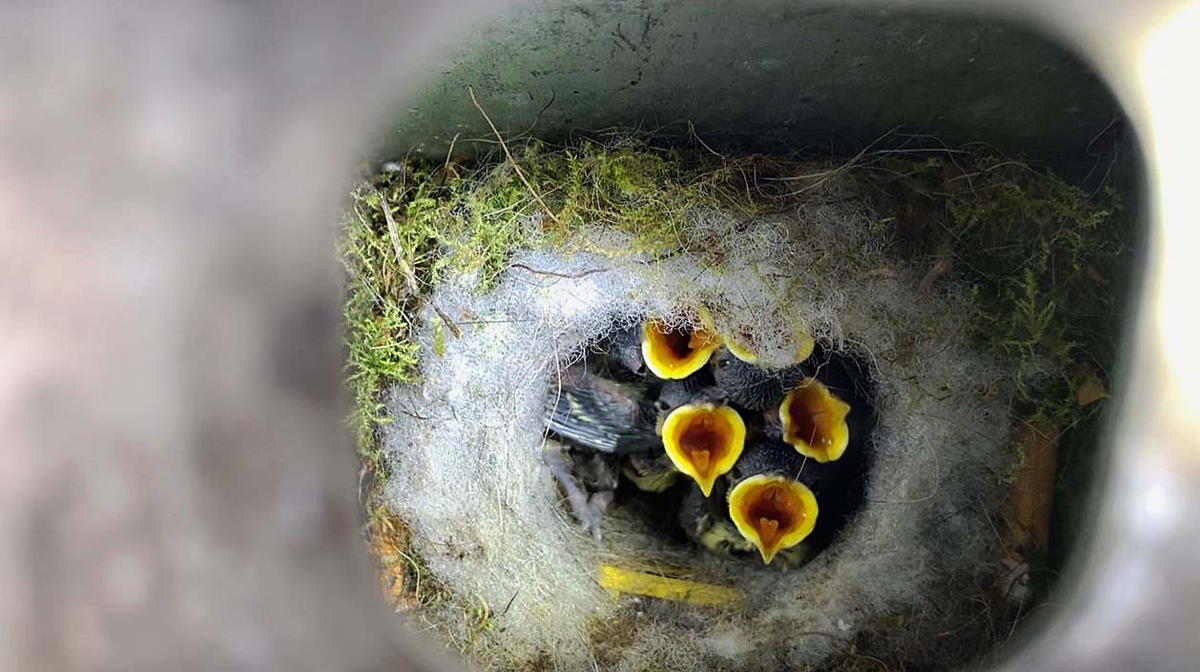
<point>624,347</point>
<point>770,456</point>
<point>749,385</point>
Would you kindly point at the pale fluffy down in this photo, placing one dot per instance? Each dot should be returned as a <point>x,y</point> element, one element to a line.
<point>465,445</point>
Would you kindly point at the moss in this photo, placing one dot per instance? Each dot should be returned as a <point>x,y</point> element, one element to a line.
<point>633,188</point>
<point>1042,257</point>
<point>390,269</point>
<point>1048,264</point>
<point>379,351</point>
<point>1039,253</point>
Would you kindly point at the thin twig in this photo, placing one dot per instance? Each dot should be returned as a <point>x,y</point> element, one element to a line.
<point>818,633</point>
<point>556,274</point>
<point>510,603</point>
<point>410,278</point>
<point>508,154</point>
<point>450,150</point>
<point>449,322</point>
<point>873,659</point>
<point>538,116</point>
<point>696,137</point>
<point>940,269</point>
<point>449,155</point>
<point>826,175</point>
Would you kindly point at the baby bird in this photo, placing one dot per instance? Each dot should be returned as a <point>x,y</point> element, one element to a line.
<point>624,346</point>
<point>774,498</point>
<point>839,486</point>
<point>813,420</point>
<point>700,434</point>
<point>656,471</point>
<point>703,440</point>
<point>835,417</point>
<point>744,345</point>
<point>674,353</point>
<point>601,414</point>
<point>602,420</point>
<point>773,512</point>
<point>706,521</point>
<point>751,386</point>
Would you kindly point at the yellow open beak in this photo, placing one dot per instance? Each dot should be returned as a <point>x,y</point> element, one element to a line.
<point>804,346</point>
<point>814,421</point>
<point>743,347</point>
<point>704,441</point>
<point>773,512</point>
<point>674,354</point>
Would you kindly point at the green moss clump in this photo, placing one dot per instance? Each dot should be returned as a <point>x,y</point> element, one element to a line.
<point>633,188</point>
<point>376,313</point>
<point>1043,258</point>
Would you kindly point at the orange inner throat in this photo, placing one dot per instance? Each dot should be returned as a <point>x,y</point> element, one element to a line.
<point>704,440</point>
<point>774,512</point>
<point>810,419</point>
<point>681,342</point>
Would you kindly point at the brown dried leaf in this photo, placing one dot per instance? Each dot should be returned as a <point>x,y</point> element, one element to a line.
<point>1089,388</point>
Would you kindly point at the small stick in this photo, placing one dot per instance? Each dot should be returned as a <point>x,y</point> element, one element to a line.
<point>1033,489</point>
<point>410,278</point>
<point>556,274</point>
<point>503,146</point>
<point>454,330</point>
<point>450,151</point>
<point>940,269</point>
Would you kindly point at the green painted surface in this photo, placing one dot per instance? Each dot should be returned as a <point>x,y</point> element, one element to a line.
<point>759,75</point>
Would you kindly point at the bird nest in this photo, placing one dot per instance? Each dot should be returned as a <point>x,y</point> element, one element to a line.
<point>927,452</point>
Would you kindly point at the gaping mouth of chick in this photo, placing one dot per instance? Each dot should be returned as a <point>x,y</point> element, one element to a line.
<point>773,512</point>
<point>743,347</point>
<point>742,344</point>
<point>676,352</point>
<point>704,441</point>
<point>814,421</point>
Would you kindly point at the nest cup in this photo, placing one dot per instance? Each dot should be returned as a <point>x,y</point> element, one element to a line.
<point>465,444</point>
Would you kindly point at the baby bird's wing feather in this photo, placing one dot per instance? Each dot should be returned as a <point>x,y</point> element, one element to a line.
<point>601,414</point>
